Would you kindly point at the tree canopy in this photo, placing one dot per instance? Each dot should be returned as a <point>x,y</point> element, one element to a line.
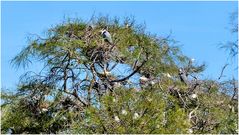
<point>138,83</point>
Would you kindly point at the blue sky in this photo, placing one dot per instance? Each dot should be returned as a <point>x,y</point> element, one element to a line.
<point>198,26</point>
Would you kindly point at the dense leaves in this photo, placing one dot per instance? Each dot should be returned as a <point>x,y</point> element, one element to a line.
<point>139,83</point>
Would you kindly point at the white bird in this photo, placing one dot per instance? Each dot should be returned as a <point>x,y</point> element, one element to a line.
<point>192,59</point>
<point>64,118</point>
<point>124,112</point>
<point>126,25</point>
<point>136,116</point>
<point>168,75</point>
<point>143,78</point>
<point>44,109</point>
<point>117,84</point>
<point>117,119</point>
<point>190,130</point>
<point>194,96</point>
<point>152,82</point>
<point>106,35</point>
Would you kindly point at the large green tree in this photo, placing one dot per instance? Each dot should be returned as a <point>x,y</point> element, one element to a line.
<point>138,83</point>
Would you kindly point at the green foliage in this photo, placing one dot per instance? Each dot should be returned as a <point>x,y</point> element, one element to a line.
<point>131,111</point>
<point>88,85</point>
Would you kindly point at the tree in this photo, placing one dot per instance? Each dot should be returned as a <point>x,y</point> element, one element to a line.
<point>138,83</point>
<point>232,46</point>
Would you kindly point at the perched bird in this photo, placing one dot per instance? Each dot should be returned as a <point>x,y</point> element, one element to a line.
<point>192,59</point>
<point>168,75</point>
<point>136,116</point>
<point>124,112</point>
<point>127,25</point>
<point>152,82</point>
<point>143,79</point>
<point>190,130</point>
<point>117,119</point>
<point>116,84</point>
<point>106,35</point>
<point>193,96</point>
<point>44,109</point>
<point>183,76</point>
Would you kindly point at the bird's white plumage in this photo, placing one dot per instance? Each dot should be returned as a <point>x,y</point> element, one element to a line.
<point>190,131</point>
<point>152,82</point>
<point>143,78</point>
<point>44,109</point>
<point>136,116</point>
<point>106,35</point>
<point>194,95</point>
<point>124,112</point>
<point>117,119</point>
<point>64,118</point>
<point>192,59</point>
<point>117,84</point>
<point>168,75</point>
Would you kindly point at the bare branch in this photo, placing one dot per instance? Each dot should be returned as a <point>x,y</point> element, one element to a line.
<point>221,75</point>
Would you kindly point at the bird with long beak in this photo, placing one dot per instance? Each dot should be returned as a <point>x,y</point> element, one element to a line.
<point>183,76</point>
<point>106,35</point>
